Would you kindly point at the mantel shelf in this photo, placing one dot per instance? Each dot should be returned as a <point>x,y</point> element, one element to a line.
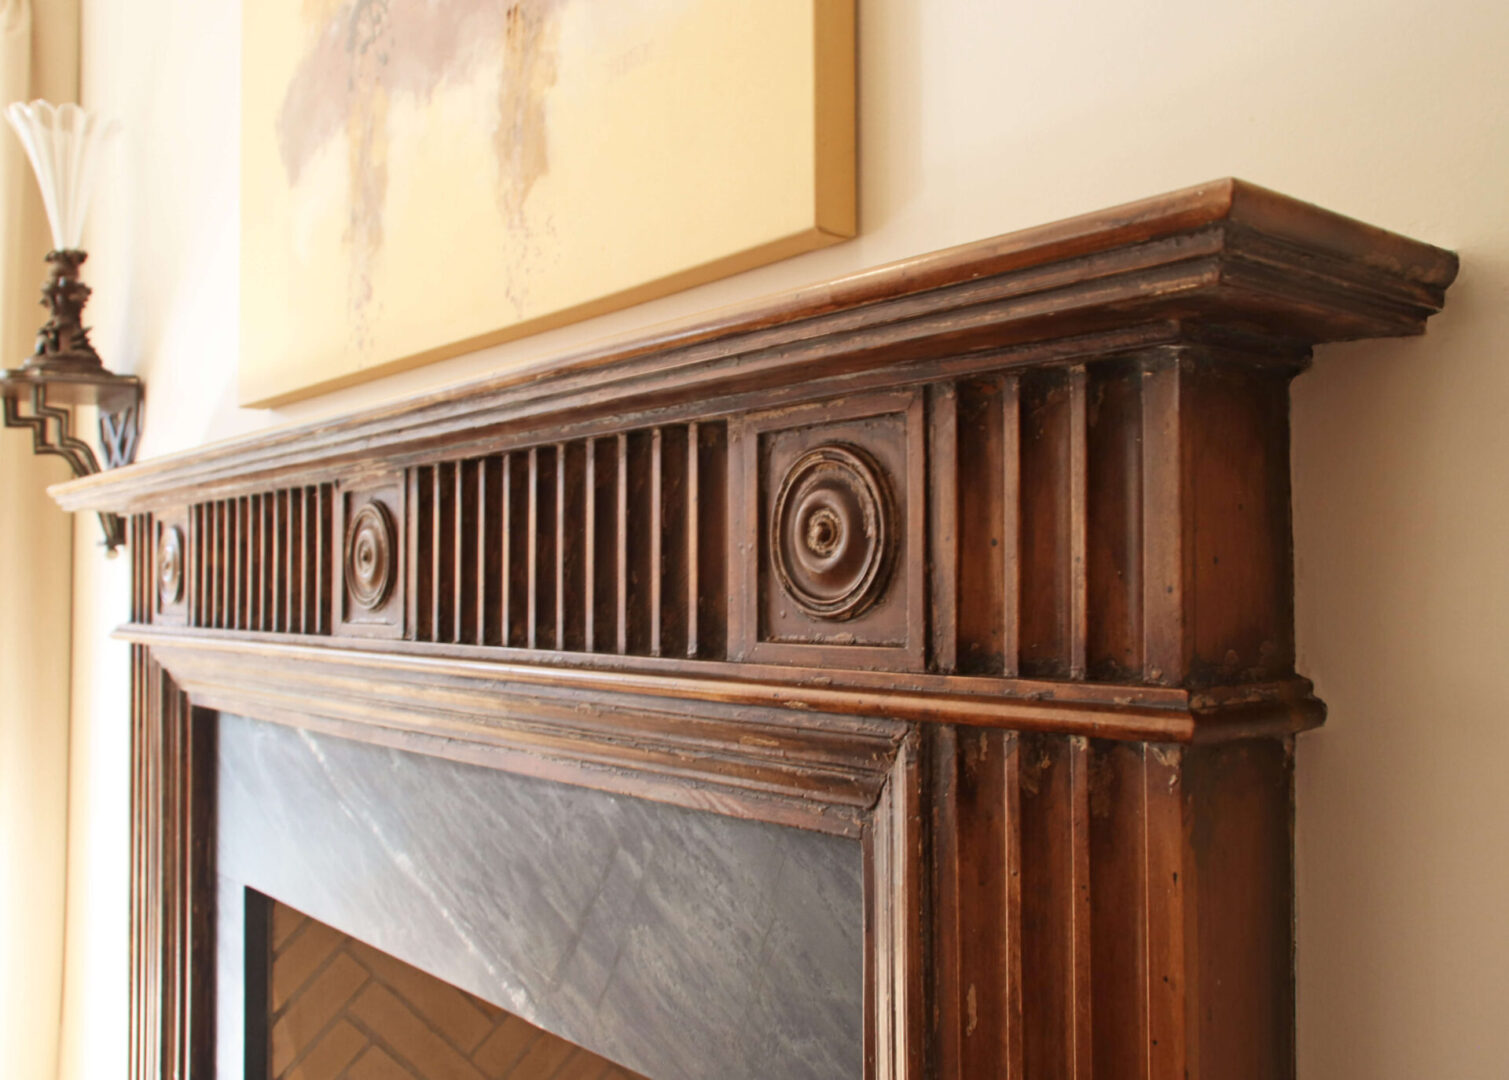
<point>1227,259</point>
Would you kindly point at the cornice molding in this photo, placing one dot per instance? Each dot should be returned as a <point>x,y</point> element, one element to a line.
<point>1224,258</point>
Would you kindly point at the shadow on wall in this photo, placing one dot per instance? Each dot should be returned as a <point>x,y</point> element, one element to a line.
<point>1401,499</point>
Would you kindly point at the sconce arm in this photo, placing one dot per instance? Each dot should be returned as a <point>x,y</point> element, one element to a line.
<point>79,455</point>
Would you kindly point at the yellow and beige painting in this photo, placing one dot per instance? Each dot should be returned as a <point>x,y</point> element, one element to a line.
<point>424,177</point>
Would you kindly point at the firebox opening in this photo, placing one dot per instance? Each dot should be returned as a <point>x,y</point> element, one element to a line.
<point>335,1008</point>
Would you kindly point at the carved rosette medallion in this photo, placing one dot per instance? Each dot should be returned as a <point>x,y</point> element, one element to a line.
<point>370,541</point>
<point>170,566</point>
<point>832,532</point>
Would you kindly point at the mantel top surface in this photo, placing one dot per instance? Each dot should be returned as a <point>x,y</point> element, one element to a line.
<point>1227,255</point>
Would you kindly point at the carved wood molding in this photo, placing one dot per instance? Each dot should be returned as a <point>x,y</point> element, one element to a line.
<point>1228,256</point>
<point>814,769</point>
<point>1096,710</point>
<point>983,559</point>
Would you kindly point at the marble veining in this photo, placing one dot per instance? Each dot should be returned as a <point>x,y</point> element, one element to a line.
<point>684,944</point>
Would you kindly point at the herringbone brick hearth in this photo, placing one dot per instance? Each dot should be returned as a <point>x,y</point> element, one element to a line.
<point>342,1010</point>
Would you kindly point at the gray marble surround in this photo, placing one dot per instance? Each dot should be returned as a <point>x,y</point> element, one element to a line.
<point>686,945</point>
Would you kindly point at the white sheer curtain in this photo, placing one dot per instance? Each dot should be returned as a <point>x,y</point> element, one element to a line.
<point>39,55</point>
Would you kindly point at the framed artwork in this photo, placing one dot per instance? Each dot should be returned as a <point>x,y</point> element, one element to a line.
<point>421,178</point>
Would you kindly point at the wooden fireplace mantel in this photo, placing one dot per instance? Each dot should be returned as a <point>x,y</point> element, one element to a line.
<point>982,559</point>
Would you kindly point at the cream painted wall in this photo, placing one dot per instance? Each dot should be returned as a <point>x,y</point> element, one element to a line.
<point>39,52</point>
<point>978,118</point>
<point>34,767</point>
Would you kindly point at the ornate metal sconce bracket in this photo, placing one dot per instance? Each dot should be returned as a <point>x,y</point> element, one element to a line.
<point>66,371</point>
<point>44,418</point>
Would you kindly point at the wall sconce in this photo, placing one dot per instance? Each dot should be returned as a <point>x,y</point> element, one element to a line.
<point>65,371</point>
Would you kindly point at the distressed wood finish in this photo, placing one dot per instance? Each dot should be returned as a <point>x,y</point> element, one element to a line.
<point>173,887</point>
<point>983,559</point>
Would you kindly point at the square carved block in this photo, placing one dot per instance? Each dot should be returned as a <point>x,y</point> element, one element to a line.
<point>171,579</point>
<point>369,561</point>
<point>827,510</point>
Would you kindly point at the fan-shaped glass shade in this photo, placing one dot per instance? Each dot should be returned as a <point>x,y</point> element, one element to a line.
<point>63,143</point>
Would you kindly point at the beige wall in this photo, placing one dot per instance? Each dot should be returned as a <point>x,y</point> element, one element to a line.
<point>38,57</point>
<point>978,118</point>
<point>34,584</point>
